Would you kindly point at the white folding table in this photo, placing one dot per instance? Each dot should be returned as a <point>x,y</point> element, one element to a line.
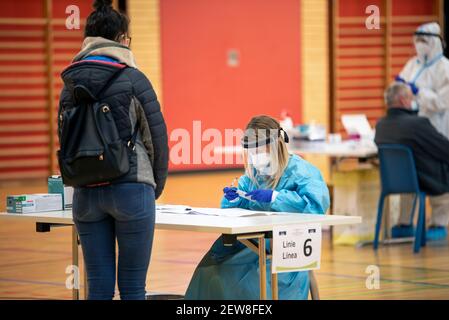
<point>233,229</point>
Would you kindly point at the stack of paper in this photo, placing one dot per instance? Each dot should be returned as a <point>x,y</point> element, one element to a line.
<point>231,212</point>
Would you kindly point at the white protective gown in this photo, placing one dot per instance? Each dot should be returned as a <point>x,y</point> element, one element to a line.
<point>430,74</point>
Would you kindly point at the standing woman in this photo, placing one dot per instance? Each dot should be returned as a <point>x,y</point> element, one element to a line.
<point>122,208</point>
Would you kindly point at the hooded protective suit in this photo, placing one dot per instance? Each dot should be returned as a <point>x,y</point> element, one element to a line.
<point>429,72</point>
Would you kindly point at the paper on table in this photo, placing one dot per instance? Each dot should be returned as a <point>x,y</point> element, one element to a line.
<point>357,124</point>
<point>230,212</point>
<point>164,208</point>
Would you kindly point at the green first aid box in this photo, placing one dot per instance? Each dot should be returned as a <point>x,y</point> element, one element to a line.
<point>29,203</point>
<point>55,185</point>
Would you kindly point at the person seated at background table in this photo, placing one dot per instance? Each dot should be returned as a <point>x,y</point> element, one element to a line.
<point>274,181</point>
<point>430,149</point>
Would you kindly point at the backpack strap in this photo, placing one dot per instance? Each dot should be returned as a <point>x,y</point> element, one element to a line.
<point>111,81</point>
<point>131,142</point>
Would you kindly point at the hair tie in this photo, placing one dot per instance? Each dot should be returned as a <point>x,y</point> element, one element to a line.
<point>286,138</point>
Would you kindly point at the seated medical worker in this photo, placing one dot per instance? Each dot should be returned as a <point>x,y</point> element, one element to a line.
<point>274,181</point>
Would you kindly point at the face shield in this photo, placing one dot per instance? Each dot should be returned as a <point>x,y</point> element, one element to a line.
<point>428,41</point>
<point>260,147</point>
<point>423,46</point>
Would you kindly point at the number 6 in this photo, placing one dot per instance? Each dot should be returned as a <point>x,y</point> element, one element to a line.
<point>307,248</point>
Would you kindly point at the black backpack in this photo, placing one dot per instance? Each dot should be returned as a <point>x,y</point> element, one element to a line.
<point>92,151</point>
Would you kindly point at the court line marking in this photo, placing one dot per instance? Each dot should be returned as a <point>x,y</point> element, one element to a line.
<point>385,265</point>
<point>48,283</point>
<point>435,285</point>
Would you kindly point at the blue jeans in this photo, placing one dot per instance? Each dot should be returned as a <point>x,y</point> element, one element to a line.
<point>124,212</point>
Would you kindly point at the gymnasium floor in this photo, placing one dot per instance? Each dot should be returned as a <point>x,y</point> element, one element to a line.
<point>32,265</point>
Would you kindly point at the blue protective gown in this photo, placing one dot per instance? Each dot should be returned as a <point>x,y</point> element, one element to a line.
<point>233,272</point>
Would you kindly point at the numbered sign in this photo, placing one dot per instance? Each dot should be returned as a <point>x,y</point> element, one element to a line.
<point>296,248</point>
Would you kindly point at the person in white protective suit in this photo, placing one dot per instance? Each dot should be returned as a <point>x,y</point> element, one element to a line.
<point>427,74</point>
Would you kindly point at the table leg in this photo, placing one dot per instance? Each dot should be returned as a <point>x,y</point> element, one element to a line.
<point>314,293</point>
<point>262,268</point>
<point>260,250</point>
<point>75,290</point>
<point>274,277</point>
<point>274,286</point>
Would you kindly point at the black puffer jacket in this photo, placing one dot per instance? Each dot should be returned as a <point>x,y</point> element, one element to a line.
<point>430,148</point>
<point>133,102</point>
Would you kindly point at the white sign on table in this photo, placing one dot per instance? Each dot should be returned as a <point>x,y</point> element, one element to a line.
<point>296,248</point>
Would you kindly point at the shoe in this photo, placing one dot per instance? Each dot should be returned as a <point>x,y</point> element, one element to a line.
<point>435,233</point>
<point>402,231</point>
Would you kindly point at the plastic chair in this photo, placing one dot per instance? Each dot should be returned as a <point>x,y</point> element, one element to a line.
<point>398,175</point>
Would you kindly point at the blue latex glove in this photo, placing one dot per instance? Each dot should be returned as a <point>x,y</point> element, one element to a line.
<point>261,195</point>
<point>412,86</point>
<point>230,193</point>
<point>399,79</point>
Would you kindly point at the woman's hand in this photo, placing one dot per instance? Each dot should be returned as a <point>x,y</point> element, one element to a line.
<point>230,193</point>
<point>261,195</point>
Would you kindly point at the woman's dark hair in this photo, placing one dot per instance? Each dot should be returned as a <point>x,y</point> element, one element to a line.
<point>106,22</point>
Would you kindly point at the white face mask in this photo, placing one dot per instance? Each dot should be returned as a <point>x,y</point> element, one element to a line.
<point>423,49</point>
<point>260,161</point>
<point>414,106</point>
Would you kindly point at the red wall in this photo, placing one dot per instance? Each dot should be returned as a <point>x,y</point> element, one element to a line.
<point>24,116</point>
<point>197,82</point>
<point>407,7</point>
